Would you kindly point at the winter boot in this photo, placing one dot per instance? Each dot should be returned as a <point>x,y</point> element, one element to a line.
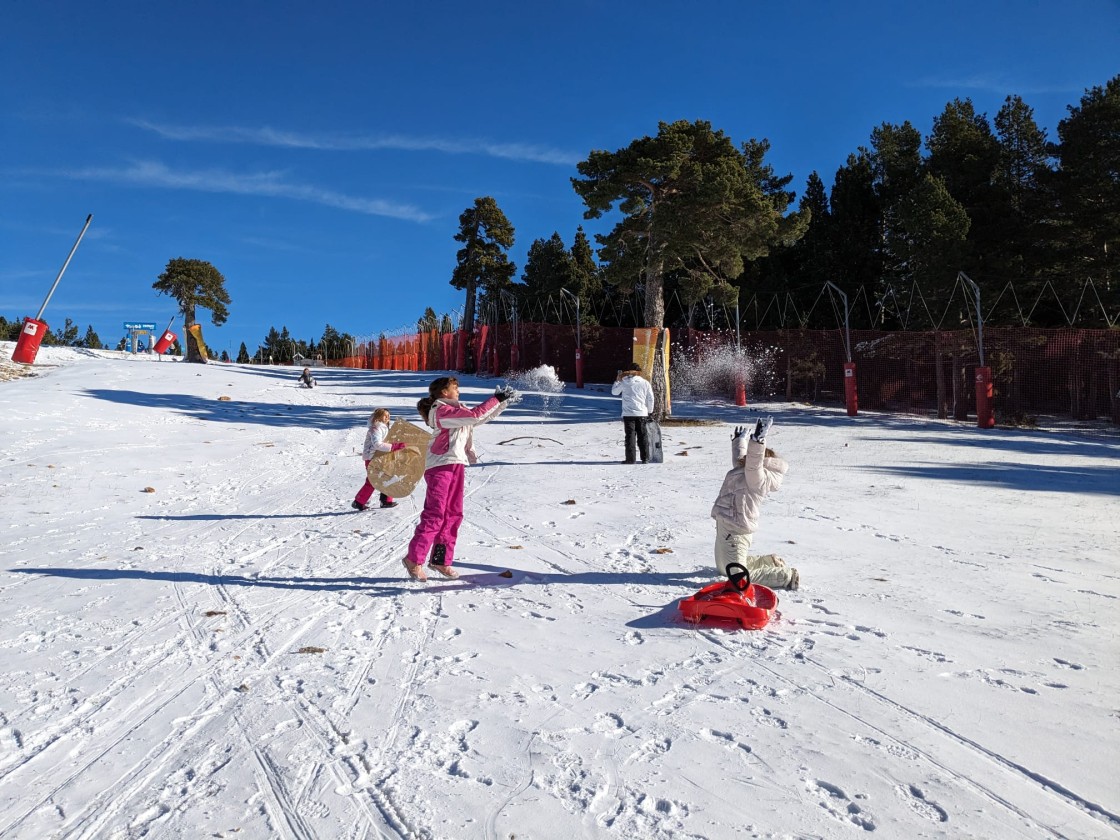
<point>794,580</point>
<point>387,501</point>
<point>358,505</point>
<point>415,570</point>
<point>439,561</point>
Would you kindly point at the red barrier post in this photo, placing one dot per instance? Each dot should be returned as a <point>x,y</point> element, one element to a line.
<point>579,368</point>
<point>165,341</point>
<point>30,337</point>
<point>740,388</point>
<point>985,415</point>
<point>851,398</point>
<point>34,329</point>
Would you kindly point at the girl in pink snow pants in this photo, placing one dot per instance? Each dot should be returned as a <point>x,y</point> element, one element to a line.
<point>451,450</point>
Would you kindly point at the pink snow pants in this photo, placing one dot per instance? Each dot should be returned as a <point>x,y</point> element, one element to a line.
<point>366,491</point>
<point>442,514</point>
<point>364,494</point>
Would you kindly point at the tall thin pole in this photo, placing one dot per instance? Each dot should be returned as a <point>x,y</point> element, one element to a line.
<point>579,342</point>
<point>844,298</point>
<point>979,317</point>
<point>62,270</point>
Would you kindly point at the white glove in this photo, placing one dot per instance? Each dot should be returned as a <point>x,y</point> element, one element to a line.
<point>761,428</point>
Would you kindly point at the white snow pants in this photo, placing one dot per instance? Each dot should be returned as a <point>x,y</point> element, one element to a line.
<point>769,570</point>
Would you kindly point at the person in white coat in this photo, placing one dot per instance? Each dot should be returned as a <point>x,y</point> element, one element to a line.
<point>757,472</point>
<point>637,404</point>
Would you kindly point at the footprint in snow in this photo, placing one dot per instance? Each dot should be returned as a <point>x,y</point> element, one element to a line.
<point>916,799</point>
<point>833,799</point>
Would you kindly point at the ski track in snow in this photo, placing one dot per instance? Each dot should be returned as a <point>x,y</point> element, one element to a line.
<point>431,711</point>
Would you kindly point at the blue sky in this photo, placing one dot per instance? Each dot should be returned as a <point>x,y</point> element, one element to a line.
<point>319,154</point>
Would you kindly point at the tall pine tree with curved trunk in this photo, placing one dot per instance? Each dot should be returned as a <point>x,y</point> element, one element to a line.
<point>481,265</point>
<point>194,284</point>
<point>691,203</point>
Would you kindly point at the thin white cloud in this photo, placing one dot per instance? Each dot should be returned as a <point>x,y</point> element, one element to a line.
<point>272,184</point>
<point>335,142</point>
<point>994,83</point>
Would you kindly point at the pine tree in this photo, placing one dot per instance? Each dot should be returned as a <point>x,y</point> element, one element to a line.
<point>1020,182</point>
<point>897,170</point>
<point>270,347</point>
<point>91,340</point>
<point>586,282</point>
<point>692,204</point>
<point>482,267</point>
<point>964,154</point>
<point>548,268</point>
<point>857,226</point>
<point>195,283</point>
<point>813,253</point>
<point>243,354</point>
<point>1087,187</point>
<point>285,346</point>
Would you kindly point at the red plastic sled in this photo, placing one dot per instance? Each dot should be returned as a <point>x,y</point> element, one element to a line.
<point>750,607</point>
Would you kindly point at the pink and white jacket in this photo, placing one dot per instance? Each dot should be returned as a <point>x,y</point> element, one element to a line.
<point>375,440</point>
<point>740,498</point>
<point>454,425</point>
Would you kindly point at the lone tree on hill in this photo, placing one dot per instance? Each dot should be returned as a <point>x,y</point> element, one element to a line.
<point>195,283</point>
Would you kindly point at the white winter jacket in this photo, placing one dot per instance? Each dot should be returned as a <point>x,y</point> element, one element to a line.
<point>454,439</point>
<point>375,440</point>
<point>637,395</point>
<point>740,498</point>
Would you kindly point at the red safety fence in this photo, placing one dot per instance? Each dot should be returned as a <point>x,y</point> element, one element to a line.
<point>1072,372</point>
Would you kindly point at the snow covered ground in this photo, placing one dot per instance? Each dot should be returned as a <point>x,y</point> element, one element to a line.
<point>199,638</point>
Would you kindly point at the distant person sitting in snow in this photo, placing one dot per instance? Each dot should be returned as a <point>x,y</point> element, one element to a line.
<point>306,380</point>
<point>449,453</point>
<point>637,403</point>
<point>757,472</point>
<point>375,444</point>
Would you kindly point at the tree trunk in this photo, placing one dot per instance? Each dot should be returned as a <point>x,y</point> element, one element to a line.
<point>939,376</point>
<point>468,328</point>
<point>190,342</point>
<point>960,377</point>
<point>655,317</point>
<point>660,377</point>
<point>654,313</point>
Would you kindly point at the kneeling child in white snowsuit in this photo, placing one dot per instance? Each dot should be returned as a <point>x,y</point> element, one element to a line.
<point>757,472</point>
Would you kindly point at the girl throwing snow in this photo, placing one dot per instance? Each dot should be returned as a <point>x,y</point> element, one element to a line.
<point>757,472</point>
<point>450,451</point>
<point>375,443</point>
